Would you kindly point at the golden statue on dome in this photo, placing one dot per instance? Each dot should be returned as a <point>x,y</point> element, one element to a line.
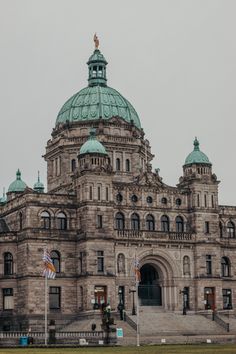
<point>96,41</point>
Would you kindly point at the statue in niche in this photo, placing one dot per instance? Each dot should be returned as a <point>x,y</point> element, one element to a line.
<point>121,263</point>
<point>186,265</point>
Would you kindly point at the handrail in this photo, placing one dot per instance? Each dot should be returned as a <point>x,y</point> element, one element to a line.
<point>131,322</point>
<point>220,321</point>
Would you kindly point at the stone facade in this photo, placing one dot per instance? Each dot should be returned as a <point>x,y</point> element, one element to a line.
<point>102,212</point>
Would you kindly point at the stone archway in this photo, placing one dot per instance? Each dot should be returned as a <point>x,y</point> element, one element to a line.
<point>158,273</point>
<point>149,291</point>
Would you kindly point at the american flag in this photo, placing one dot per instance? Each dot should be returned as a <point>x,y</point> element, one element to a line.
<point>137,271</point>
<point>49,269</point>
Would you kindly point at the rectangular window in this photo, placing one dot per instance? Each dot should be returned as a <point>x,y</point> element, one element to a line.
<point>99,193</point>
<point>100,261</point>
<point>54,297</point>
<point>227,299</point>
<point>107,194</point>
<point>208,264</point>
<point>81,262</point>
<point>207,227</point>
<point>212,201</point>
<point>7,299</point>
<point>99,221</point>
<point>90,192</point>
<point>205,200</point>
<point>198,200</point>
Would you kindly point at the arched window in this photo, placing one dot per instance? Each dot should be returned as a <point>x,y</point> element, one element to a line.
<point>8,263</point>
<point>231,229</point>
<point>165,224</point>
<point>135,222</point>
<point>56,260</point>
<point>163,200</point>
<point>73,165</point>
<point>120,221</point>
<point>20,221</point>
<point>61,221</point>
<point>127,165</point>
<point>225,267</point>
<point>117,164</point>
<point>179,224</point>
<point>150,222</point>
<point>46,220</point>
<point>186,265</point>
<point>221,229</point>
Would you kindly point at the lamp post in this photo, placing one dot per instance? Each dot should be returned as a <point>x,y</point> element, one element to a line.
<point>133,307</point>
<point>207,299</point>
<point>120,305</point>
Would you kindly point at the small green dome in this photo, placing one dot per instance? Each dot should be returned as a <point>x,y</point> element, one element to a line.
<point>38,186</point>
<point>196,156</point>
<point>97,100</point>
<point>92,145</point>
<point>18,185</point>
<point>3,199</point>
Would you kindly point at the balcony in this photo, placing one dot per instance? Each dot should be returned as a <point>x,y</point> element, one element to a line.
<point>145,235</point>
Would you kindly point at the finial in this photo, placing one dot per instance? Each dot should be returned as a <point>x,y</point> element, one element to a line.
<point>38,176</point>
<point>18,174</point>
<point>196,144</point>
<point>96,41</point>
<point>4,193</point>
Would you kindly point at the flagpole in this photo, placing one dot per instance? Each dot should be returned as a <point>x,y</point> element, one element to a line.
<point>137,300</point>
<point>46,309</point>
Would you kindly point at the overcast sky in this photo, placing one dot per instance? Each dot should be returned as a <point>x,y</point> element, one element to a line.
<point>175,61</point>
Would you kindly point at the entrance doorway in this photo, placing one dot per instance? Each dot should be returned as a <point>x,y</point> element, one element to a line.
<point>149,290</point>
<point>209,298</point>
<point>100,295</point>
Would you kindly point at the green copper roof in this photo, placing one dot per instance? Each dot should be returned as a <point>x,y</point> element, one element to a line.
<point>196,156</point>
<point>92,145</point>
<point>3,199</point>
<point>18,185</point>
<point>97,100</point>
<point>38,186</point>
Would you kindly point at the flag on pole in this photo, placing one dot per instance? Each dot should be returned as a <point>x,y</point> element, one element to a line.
<point>137,271</point>
<point>49,269</point>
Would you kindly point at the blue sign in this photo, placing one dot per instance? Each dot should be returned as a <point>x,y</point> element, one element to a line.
<point>119,332</point>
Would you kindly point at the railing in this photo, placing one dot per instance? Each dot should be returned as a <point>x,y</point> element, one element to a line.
<point>155,235</point>
<point>131,322</point>
<point>220,322</point>
<point>61,335</point>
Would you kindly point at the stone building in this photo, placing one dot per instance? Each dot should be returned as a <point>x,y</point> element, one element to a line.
<point>103,207</point>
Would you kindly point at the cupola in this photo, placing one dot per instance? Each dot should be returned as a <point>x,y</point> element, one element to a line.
<point>18,186</point>
<point>92,145</point>
<point>197,163</point>
<point>38,186</point>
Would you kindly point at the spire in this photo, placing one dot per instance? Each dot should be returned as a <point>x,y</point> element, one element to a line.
<point>97,66</point>
<point>3,200</point>
<point>38,186</point>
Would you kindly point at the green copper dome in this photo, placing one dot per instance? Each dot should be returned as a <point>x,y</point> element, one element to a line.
<point>97,100</point>
<point>92,145</point>
<point>196,156</point>
<point>38,186</point>
<point>18,185</point>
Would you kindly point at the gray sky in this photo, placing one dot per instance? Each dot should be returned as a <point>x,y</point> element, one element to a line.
<point>175,61</point>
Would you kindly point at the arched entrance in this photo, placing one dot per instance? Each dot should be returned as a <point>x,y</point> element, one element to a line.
<point>149,290</point>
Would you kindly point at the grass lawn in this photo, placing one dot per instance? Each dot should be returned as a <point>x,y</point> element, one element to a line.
<point>164,349</point>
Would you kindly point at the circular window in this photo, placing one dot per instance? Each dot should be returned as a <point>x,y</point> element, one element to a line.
<point>149,199</point>
<point>178,201</point>
<point>164,200</point>
<point>119,197</point>
<point>134,198</point>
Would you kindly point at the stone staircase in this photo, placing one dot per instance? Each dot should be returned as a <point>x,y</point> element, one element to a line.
<point>156,322</point>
